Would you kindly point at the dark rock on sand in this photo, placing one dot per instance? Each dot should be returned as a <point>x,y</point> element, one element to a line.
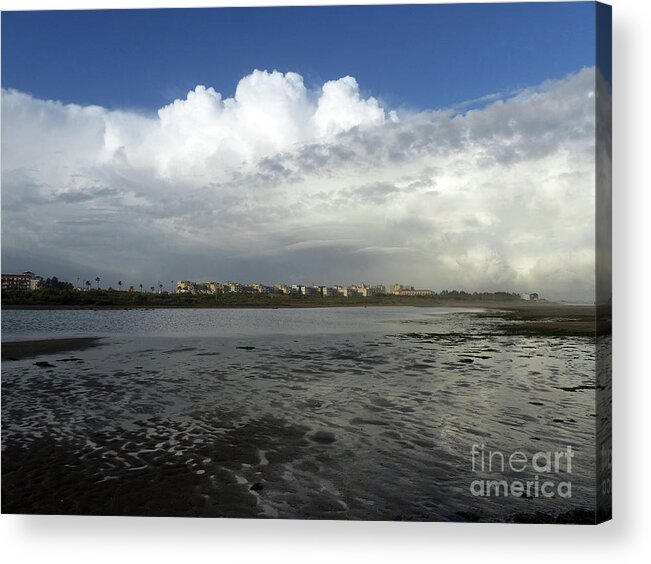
<point>362,421</point>
<point>17,350</point>
<point>323,437</point>
<point>313,403</point>
<point>257,487</point>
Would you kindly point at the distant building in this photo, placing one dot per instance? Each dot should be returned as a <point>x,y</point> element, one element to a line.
<point>349,291</point>
<point>396,289</point>
<point>366,290</point>
<point>327,291</point>
<point>363,290</point>
<point>412,292</point>
<point>201,288</point>
<point>338,290</point>
<point>359,289</point>
<point>213,287</point>
<point>24,281</point>
<point>190,287</point>
<point>261,289</point>
<point>530,297</point>
<point>231,287</point>
<point>36,283</point>
<point>185,287</point>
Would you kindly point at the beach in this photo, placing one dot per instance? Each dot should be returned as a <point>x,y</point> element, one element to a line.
<point>336,413</point>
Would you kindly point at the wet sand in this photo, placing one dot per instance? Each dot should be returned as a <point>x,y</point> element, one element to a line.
<point>374,426</point>
<point>18,350</point>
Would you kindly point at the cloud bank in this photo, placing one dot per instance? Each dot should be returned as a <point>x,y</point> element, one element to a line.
<point>284,183</point>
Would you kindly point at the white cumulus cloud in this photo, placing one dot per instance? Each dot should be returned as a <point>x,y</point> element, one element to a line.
<point>282,182</point>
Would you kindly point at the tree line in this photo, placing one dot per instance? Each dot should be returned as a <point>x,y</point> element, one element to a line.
<point>58,293</point>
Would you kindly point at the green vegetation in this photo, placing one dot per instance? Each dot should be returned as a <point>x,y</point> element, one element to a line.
<point>68,297</point>
<point>55,284</point>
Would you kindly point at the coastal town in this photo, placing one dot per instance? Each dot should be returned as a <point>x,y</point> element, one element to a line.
<point>28,281</point>
<point>363,290</point>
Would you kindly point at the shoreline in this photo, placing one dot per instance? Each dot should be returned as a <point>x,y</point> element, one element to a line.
<point>493,305</point>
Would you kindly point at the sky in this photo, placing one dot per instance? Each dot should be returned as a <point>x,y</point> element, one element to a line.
<point>420,56</point>
<point>446,146</point>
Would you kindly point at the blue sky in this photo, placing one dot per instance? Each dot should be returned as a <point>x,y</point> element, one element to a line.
<point>142,59</point>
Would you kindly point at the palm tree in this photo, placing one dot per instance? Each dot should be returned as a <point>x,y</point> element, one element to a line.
<point>87,284</point>
<point>97,280</point>
<point>152,289</point>
<point>160,287</point>
<point>141,287</point>
<point>119,284</point>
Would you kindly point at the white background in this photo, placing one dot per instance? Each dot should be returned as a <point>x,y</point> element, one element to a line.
<point>626,538</point>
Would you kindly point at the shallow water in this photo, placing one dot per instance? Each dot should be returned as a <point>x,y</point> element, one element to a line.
<point>358,413</point>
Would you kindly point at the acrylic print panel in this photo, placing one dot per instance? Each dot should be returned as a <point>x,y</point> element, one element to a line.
<point>308,262</point>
